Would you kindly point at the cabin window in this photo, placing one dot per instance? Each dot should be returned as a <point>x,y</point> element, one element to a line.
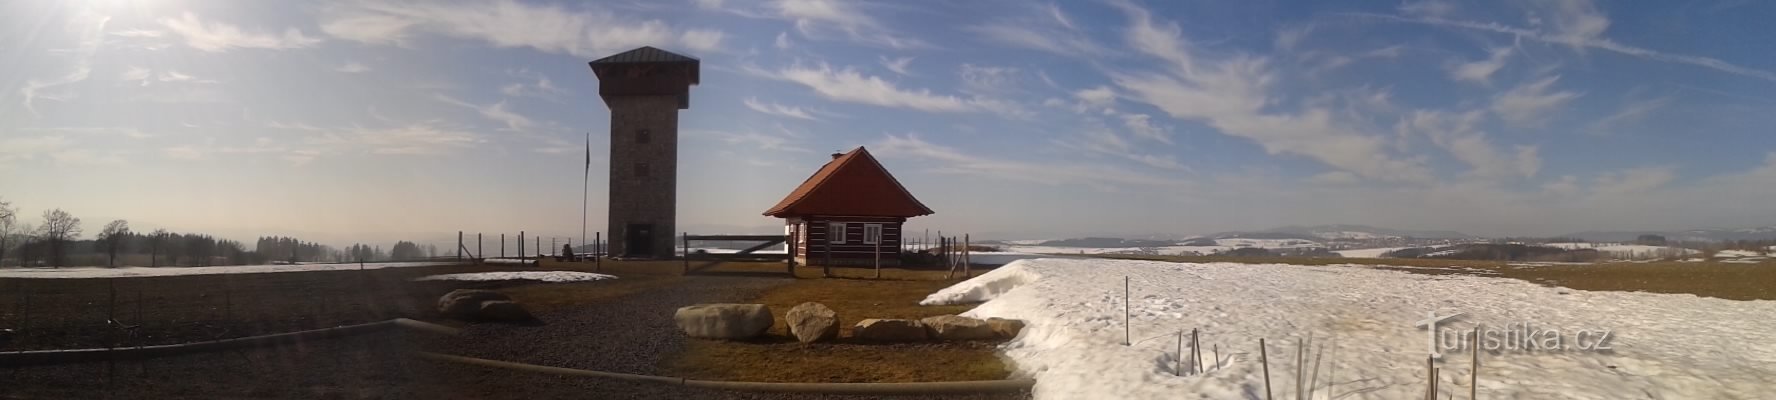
<point>643,136</point>
<point>835,232</point>
<point>872,233</point>
<point>641,169</point>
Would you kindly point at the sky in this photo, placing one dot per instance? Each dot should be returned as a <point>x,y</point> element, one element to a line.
<point>384,120</point>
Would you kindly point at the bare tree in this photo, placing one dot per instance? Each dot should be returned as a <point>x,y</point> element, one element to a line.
<point>154,256</point>
<point>112,237</point>
<point>8,226</point>
<point>58,228</point>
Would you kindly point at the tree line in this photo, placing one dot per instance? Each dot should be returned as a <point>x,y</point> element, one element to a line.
<point>57,241</point>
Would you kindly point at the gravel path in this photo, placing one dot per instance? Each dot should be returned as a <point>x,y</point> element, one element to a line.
<point>631,334</point>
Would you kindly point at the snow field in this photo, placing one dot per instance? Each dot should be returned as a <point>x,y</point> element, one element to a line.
<point>1362,320</point>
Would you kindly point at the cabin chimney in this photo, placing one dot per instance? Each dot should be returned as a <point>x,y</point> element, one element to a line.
<point>836,155</point>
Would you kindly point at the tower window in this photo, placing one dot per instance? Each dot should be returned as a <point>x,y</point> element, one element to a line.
<point>643,136</point>
<point>641,169</point>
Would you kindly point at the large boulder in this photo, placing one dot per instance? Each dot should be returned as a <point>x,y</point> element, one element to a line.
<point>724,321</point>
<point>1006,328</point>
<point>466,303</point>
<point>812,322</point>
<point>889,330</point>
<point>951,327</point>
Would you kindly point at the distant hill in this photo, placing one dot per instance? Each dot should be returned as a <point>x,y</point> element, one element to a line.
<point>1331,232</point>
<point>1104,242</point>
<point>1693,235</point>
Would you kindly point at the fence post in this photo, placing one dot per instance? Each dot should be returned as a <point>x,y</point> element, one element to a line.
<point>502,245</point>
<point>480,252</point>
<point>687,252</point>
<point>521,247</point>
<point>877,250</point>
<point>459,246</point>
<point>597,251</point>
<point>966,272</point>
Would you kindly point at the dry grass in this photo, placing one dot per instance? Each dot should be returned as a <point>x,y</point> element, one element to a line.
<point>1709,278</point>
<point>854,296</point>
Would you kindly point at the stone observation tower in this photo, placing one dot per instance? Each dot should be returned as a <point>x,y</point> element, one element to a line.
<point>644,89</point>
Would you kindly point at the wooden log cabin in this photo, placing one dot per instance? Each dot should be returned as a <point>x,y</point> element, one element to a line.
<point>850,212</point>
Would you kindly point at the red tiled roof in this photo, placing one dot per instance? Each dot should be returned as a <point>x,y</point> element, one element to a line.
<point>853,184</point>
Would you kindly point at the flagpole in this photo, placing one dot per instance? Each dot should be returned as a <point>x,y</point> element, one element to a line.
<point>585,187</point>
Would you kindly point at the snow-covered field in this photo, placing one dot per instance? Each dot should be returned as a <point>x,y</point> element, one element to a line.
<point>542,276</point>
<point>1736,254</point>
<point>1361,324</point>
<point>1221,245</point>
<point>1626,251</point>
<point>1367,253</point>
<point>1002,257</point>
<point>125,272</point>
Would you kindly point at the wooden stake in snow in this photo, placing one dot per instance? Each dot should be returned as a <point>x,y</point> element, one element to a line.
<point>1300,368</point>
<point>1474,378</point>
<point>1217,357</point>
<point>1264,360</point>
<point>1430,379</point>
<point>1196,347</point>
<point>1178,368</point>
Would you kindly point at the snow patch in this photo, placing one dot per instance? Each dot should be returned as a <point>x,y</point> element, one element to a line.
<point>541,276</point>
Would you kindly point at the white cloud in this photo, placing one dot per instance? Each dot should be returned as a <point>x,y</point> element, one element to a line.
<point>220,36</point>
<point>701,39</point>
<point>951,160</point>
<point>761,141</point>
<point>1428,8</point>
<point>353,67</point>
<point>496,112</point>
<point>709,4</point>
<point>136,74</point>
<point>849,85</point>
<point>590,33</point>
<point>984,80</point>
<point>777,109</point>
<point>369,28</point>
<point>898,65</point>
<point>1481,71</point>
<point>1635,180</point>
<point>138,33</point>
<point>812,17</point>
<point>1142,125</point>
<point>183,152</point>
<point>418,138</point>
<point>1101,96</point>
<point>27,148</point>
<point>782,42</point>
<point>1584,32</point>
<point>1631,112</point>
<point>1044,28</point>
<point>88,29</point>
<point>1232,96</point>
<point>1530,103</point>
<point>1460,135</point>
<point>542,87</point>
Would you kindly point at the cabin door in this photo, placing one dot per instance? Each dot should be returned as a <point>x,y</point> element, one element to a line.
<point>638,240</point>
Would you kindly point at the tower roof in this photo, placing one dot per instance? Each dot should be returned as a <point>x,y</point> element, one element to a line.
<point>644,54</point>
<point>852,184</point>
